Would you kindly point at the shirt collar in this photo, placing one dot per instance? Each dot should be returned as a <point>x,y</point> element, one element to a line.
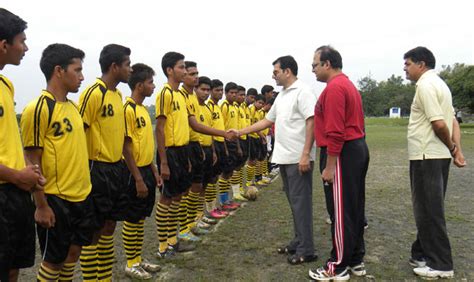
<point>426,74</point>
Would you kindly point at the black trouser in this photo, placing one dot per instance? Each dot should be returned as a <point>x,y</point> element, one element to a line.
<point>299,191</point>
<point>345,202</point>
<point>429,179</point>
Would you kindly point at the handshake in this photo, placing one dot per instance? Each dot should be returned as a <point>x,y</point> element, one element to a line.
<point>232,135</point>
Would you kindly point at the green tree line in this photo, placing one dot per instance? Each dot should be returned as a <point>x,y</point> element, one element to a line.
<point>379,97</point>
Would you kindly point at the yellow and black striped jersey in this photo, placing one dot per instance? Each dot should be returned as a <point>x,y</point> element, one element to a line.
<point>242,119</point>
<point>58,129</point>
<point>253,119</point>
<point>11,149</point>
<point>172,105</point>
<point>205,117</point>
<point>192,104</point>
<point>139,128</point>
<point>230,115</point>
<point>102,111</point>
<point>217,119</point>
<point>261,115</point>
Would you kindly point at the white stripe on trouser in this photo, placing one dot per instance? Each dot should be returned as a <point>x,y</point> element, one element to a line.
<point>46,244</point>
<point>338,219</point>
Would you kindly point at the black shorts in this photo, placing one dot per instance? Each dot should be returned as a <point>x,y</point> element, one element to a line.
<point>220,152</point>
<point>140,208</point>
<point>254,151</point>
<point>109,192</point>
<point>196,157</point>
<point>262,152</point>
<point>244,146</point>
<point>75,225</point>
<point>180,176</point>
<point>17,228</point>
<point>231,160</point>
<point>207,171</point>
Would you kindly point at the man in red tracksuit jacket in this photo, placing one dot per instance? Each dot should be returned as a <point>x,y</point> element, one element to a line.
<point>339,132</point>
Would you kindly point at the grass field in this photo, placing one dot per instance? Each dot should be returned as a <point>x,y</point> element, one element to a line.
<point>242,248</point>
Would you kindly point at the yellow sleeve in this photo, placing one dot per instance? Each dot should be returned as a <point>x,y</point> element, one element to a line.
<point>130,119</point>
<point>89,105</point>
<point>34,123</point>
<point>163,103</point>
<point>225,111</point>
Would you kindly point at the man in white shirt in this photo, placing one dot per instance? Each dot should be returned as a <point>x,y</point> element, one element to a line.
<point>434,138</point>
<point>292,113</point>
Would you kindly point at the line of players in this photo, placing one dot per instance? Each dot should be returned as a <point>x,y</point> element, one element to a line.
<point>89,165</point>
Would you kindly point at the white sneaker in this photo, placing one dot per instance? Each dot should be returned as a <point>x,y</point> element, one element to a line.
<point>321,274</point>
<point>137,272</point>
<point>358,270</point>
<point>429,272</point>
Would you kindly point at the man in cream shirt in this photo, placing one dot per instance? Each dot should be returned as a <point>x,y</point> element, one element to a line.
<point>433,139</point>
<point>292,113</point>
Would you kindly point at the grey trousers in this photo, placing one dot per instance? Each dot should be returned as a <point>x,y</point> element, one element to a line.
<point>299,191</point>
<point>429,179</point>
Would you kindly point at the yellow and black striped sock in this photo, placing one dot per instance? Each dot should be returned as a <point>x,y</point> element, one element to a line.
<point>241,178</point>
<point>265,167</point>
<point>193,203</point>
<point>47,274</point>
<point>129,238</point>
<point>67,272</point>
<point>183,214</point>
<point>200,207</point>
<point>139,241</point>
<point>89,263</point>
<point>211,192</point>
<point>105,248</point>
<point>250,173</point>
<point>161,219</point>
<point>234,180</point>
<point>224,187</point>
<point>258,171</point>
<point>173,223</point>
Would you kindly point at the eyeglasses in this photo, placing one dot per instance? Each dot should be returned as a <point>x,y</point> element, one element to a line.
<point>315,65</point>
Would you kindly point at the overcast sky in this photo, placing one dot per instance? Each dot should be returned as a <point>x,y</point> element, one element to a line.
<point>238,40</point>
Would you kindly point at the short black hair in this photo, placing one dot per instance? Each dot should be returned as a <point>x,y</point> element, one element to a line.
<point>190,64</point>
<point>421,54</point>
<point>252,92</point>
<point>267,88</point>
<point>287,62</point>
<point>169,60</point>
<point>10,25</point>
<point>240,88</point>
<point>58,55</point>
<point>140,73</point>
<point>328,53</point>
<point>113,53</point>
<point>230,86</point>
<point>204,80</point>
<point>216,83</point>
<point>259,98</point>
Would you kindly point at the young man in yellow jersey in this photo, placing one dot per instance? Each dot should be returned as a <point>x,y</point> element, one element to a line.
<point>217,90</point>
<point>172,137</point>
<point>250,111</point>
<point>101,108</point>
<point>54,139</point>
<point>255,143</point>
<point>142,176</point>
<point>191,202</point>
<point>203,90</point>
<point>244,121</point>
<point>231,160</point>
<point>17,180</point>
<point>262,164</point>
